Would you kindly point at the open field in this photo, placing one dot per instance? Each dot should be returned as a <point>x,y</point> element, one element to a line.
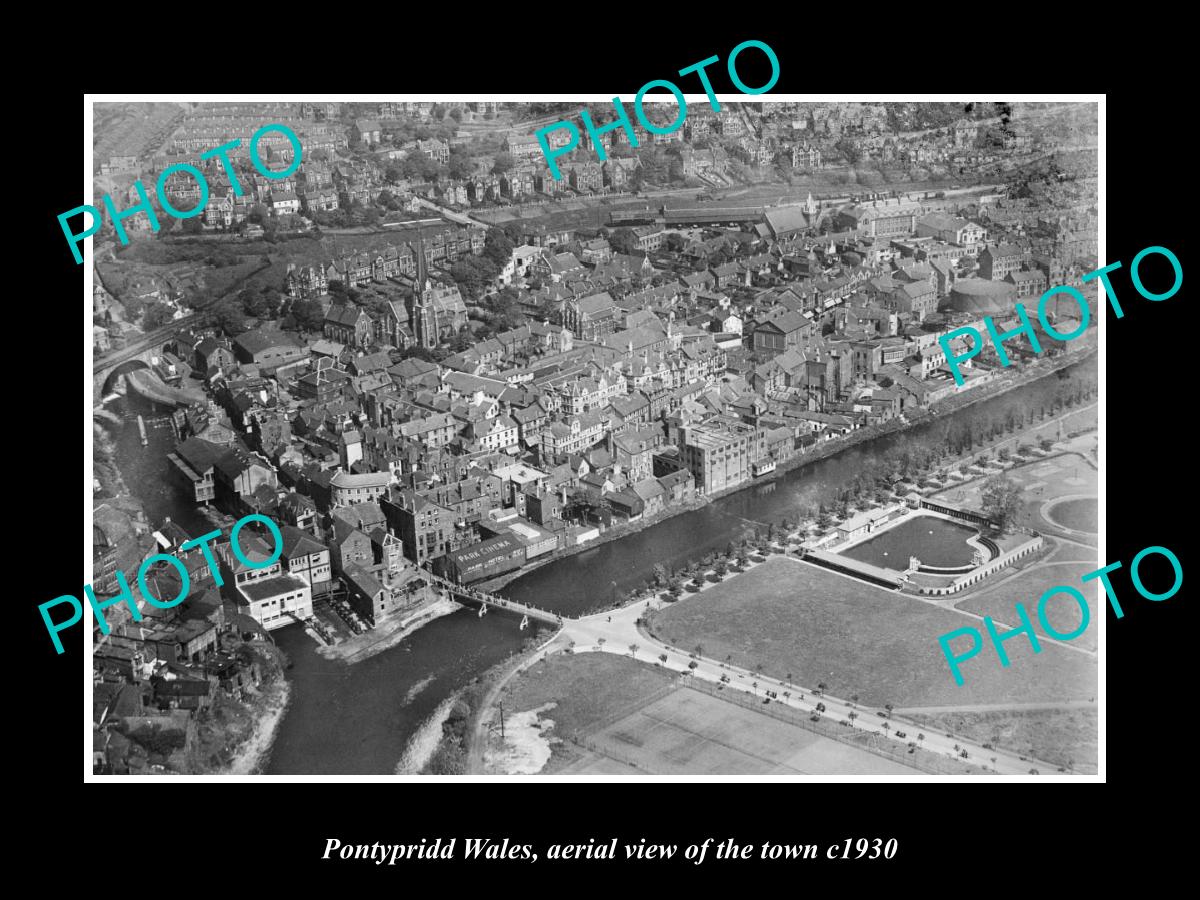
<point>999,600</point>
<point>1057,736</point>
<point>807,625</point>
<point>692,733</point>
<point>1076,514</point>
<point>587,690</point>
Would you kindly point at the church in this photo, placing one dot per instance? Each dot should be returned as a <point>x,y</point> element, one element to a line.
<point>436,313</point>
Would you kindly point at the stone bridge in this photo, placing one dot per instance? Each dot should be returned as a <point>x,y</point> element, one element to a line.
<point>106,376</point>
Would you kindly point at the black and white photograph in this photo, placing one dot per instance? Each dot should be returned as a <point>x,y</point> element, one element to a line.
<point>497,438</point>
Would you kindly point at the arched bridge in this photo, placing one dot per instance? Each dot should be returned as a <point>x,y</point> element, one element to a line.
<point>142,350</point>
<point>107,381</point>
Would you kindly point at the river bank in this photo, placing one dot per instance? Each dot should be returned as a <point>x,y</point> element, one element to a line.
<point>113,489</point>
<point>388,634</point>
<point>614,533</point>
<point>268,709</point>
<point>946,408</point>
<point>800,486</point>
<point>235,735</point>
<point>460,748</point>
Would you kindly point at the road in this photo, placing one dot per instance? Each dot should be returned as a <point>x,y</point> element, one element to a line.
<point>451,214</point>
<point>615,631</point>
<point>147,384</point>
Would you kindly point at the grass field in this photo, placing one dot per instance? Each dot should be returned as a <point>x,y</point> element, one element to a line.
<point>692,733</point>
<point>1078,514</point>
<point>1057,736</point>
<point>999,601</point>
<point>790,617</point>
<point>588,689</point>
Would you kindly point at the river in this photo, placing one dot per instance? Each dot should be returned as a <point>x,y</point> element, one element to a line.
<point>360,719</point>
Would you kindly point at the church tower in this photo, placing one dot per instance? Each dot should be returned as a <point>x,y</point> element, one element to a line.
<point>421,314</point>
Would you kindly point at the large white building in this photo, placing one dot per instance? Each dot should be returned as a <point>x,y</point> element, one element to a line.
<point>348,488</point>
<point>268,595</point>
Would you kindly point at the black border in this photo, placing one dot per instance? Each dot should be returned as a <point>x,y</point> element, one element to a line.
<point>1148,412</point>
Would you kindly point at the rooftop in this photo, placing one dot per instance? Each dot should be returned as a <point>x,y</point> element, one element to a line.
<point>265,588</point>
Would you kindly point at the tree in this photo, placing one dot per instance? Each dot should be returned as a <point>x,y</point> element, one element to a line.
<point>473,274</point>
<point>848,149</point>
<point>227,313</point>
<point>623,240</point>
<point>660,574</point>
<point>460,165</point>
<point>502,162</point>
<point>419,166</point>
<point>514,230</point>
<point>497,246</point>
<point>156,315</point>
<point>1001,498</point>
<point>308,315</point>
<point>633,649</point>
<point>192,225</point>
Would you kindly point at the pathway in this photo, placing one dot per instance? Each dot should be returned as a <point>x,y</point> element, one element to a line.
<point>990,707</point>
<point>616,631</point>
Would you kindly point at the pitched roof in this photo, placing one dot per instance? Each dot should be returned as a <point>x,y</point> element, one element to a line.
<point>260,339</point>
<point>343,314</point>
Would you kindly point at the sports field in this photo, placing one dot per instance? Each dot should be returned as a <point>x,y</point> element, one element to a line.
<point>1078,514</point>
<point>808,625</point>
<point>689,732</point>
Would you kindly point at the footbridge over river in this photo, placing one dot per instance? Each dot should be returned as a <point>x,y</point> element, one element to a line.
<point>473,597</point>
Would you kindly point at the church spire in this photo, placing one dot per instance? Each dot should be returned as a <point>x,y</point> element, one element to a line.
<point>422,270</point>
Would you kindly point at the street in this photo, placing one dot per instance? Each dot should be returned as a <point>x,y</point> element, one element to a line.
<point>615,631</point>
